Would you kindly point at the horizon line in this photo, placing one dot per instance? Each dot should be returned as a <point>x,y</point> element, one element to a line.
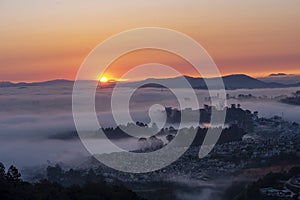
<point>73,80</point>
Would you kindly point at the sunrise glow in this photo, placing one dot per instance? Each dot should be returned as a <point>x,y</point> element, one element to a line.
<point>103,79</point>
<point>50,40</point>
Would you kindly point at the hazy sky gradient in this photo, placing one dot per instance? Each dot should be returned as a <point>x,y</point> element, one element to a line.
<point>43,40</point>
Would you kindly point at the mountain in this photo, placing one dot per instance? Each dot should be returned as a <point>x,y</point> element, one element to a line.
<point>46,83</point>
<point>243,81</point>
<point>235,81</point>
<point>278,74</point>
<point>284,79</point>
<point>231,82</point>
<point>6,84</point>
<point>170,82</point>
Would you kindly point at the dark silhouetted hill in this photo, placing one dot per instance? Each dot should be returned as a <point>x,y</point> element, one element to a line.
<point>236,81</point>
<point>46,83</point>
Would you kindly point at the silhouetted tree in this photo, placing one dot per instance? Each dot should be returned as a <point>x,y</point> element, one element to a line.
<point>13,174</point>
<point>170,137</point>
<point>13,188</point>
<point>2,172</point>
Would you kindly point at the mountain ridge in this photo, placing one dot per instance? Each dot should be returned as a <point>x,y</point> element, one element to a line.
<point>231,82</point>
<point>42,83</point>
<point>234,81</point>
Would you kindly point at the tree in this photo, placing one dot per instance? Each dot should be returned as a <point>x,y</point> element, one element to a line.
<point>2,171</point>
<point>170,137</point>
<point>45,189</point>
<point>55,173</point>
<point>154,127</point>
<point>297,93</point>
<point>13,174</point>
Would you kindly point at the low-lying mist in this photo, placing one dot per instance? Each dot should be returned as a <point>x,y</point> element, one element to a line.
<point>30,116</point>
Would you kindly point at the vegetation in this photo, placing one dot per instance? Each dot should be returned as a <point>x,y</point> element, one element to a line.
<point>234,115</point>
<point>294,100</point>
<point>274,180</point>
<point>12,187</point>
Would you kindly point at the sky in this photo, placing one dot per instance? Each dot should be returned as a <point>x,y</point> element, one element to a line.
<point>43,40</point>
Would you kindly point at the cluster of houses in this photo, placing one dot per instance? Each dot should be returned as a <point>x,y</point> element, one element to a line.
<point>289,189</point>
<point>272,139</point>
<point>278,193</point>
<point>224,159</point>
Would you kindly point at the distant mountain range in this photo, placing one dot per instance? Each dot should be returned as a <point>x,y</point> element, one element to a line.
<point>236,81</point>
<point>282,78</point>
<point>45,83</point>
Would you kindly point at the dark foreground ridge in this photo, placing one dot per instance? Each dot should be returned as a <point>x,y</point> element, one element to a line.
<point>12,187</point>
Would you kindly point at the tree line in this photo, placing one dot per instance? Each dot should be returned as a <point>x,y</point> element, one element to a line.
<point>12,187</point>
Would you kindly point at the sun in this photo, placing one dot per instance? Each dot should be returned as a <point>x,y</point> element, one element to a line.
<point>103,79</point>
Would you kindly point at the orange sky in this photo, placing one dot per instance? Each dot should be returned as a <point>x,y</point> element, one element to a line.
<point>42,40</point>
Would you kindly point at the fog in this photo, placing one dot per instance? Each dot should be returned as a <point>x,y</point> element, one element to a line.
<point>202,190</point>
<point>29,117</point>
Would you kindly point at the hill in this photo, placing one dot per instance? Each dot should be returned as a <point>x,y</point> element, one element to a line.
<point>45,83</point>
<point>231,82</point>
<point>235,81</point>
